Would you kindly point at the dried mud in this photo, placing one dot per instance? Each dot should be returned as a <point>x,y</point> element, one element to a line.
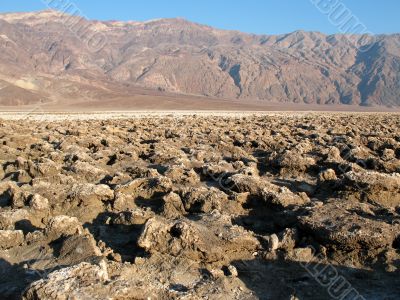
<point>280,206</point>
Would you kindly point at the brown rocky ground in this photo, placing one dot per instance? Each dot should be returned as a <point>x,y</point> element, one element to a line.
<point>278,206</point>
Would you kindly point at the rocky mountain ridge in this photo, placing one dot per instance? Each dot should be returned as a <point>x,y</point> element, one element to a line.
<point>54,57</point>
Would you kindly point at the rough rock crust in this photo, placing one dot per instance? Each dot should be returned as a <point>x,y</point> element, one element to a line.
<point>199,207</point>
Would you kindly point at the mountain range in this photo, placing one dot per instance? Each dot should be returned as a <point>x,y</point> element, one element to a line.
<point>47,57</point>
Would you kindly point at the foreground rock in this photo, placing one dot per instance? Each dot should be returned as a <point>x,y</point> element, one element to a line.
<point>200,207</point>
<point>350,227</point>
<point>212,238</point>
<point>383,189</point>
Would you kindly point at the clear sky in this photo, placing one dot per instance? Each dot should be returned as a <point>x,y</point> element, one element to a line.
<point>255,16</point>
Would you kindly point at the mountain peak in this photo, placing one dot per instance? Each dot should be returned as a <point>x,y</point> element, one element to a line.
<point>32,17</point>
<point>180,56</point>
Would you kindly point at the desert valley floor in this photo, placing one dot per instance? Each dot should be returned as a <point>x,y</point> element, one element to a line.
<point>200,206</point>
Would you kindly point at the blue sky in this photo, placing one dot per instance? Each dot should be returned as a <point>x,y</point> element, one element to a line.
<point>255,16</point>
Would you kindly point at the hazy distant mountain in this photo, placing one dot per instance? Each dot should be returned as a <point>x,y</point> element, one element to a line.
<point>43,60</point>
